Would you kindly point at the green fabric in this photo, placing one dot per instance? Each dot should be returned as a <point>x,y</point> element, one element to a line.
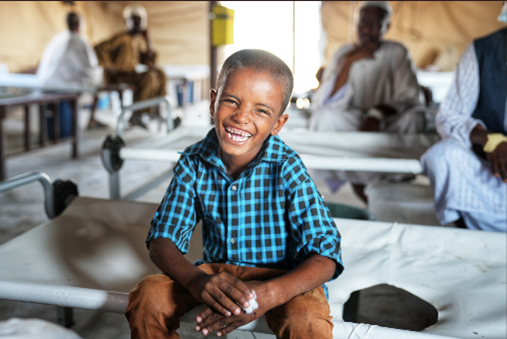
<point>349,212</point>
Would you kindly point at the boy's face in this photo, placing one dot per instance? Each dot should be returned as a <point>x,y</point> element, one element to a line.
<point>246,111</point>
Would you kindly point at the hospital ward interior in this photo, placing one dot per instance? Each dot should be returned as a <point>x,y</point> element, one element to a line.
<point>253,169</point>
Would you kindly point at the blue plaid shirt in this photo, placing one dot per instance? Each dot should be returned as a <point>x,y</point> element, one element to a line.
<point>271,216</point>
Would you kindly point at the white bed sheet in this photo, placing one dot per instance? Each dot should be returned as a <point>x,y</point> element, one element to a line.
<point>343,144</point>
<point>99,244</point>
<point>347,151</point>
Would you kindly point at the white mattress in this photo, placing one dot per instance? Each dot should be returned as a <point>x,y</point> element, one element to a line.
<point>99,244</point>
<point>347,151</point>
<point>343,144</point>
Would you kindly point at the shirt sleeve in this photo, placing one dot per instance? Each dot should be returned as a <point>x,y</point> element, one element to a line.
<point>312,227</point>
<point>406,86</point>
<point>331,71</point>
<point>454,116</point>
<point>176,216</point>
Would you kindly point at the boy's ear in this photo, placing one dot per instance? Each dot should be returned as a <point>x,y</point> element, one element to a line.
<point>212,100</point>
<point>282,119</point>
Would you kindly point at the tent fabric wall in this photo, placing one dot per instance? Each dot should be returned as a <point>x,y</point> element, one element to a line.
<point>27,26</point>
<point>427,28</point>
<point>178,29</point>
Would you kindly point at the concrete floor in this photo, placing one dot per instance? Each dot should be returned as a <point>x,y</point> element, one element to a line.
<point>22,209</point>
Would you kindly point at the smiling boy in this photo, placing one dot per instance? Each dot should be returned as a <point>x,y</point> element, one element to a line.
<point>268,237</point>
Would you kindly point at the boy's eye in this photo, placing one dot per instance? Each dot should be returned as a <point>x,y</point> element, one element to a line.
<point>230,101</point>
<point>263,111</point>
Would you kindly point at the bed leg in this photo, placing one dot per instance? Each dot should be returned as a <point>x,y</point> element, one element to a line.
<point>65,316</point>
<point>114,186</point>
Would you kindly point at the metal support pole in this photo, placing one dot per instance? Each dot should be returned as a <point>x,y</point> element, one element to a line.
<point>3,140</point>
<point>213,55</point>
<point>294,38</point>
<point>114,185</point>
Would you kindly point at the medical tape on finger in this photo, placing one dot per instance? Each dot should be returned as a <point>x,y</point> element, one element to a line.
<point>494,140</point>
<point>253,304</point>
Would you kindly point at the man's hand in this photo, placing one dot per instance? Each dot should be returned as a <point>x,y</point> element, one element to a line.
<point>370,124</point>
<point>498,161</point>
<point>221,291</point>
<point>497,158</point>
<point>363,51</point>
<point>209,321</point>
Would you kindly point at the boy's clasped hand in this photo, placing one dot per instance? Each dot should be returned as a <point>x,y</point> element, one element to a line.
<point>222,293</point>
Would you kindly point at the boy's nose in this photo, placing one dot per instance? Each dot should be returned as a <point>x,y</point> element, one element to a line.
<point>243,116</point>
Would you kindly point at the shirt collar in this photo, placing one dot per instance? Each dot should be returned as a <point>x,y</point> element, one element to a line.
<point>273,150</point>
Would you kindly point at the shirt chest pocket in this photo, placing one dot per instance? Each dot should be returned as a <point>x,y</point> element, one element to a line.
<point>207,211</point>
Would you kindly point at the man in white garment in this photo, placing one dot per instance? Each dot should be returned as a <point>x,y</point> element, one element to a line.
<point>468,168</point>
<point>68,59</point>
<point>368,86</point>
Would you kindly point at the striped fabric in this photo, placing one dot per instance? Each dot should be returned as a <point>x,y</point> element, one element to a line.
<point>272,216</point>
<point>463,183</point>
<point>454,117</point>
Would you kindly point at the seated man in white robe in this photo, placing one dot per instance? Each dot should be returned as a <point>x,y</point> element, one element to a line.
<point>468,168</point>
<point>69,59</point>
<point>368,86</point>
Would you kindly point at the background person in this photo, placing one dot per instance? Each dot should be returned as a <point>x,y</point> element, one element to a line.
<point>68,59</point>
<point>122,53</point>
<point>368,86</point>
<point>468,168</point>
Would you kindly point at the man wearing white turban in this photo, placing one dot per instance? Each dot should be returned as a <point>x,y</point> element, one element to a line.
<point>122,53</point>
<point>368,86</point>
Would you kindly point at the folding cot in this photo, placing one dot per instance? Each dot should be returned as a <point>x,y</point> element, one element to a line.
<point>92,254</point>
<point>347,151</point>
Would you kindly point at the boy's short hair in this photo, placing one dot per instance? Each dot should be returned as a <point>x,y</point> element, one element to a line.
<point>260,61</point>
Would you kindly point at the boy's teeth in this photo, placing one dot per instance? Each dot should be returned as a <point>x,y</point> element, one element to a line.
<point>243,134</point>
<point>237,138</point>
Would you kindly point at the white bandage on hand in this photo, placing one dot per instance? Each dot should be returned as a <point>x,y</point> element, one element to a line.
<point>253,304</point>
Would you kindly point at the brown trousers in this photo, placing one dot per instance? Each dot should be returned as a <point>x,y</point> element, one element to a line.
<point>157,302</point>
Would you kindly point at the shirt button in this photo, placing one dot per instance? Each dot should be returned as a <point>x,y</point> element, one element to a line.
<point>234,187</point>
<point>233,241</point>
